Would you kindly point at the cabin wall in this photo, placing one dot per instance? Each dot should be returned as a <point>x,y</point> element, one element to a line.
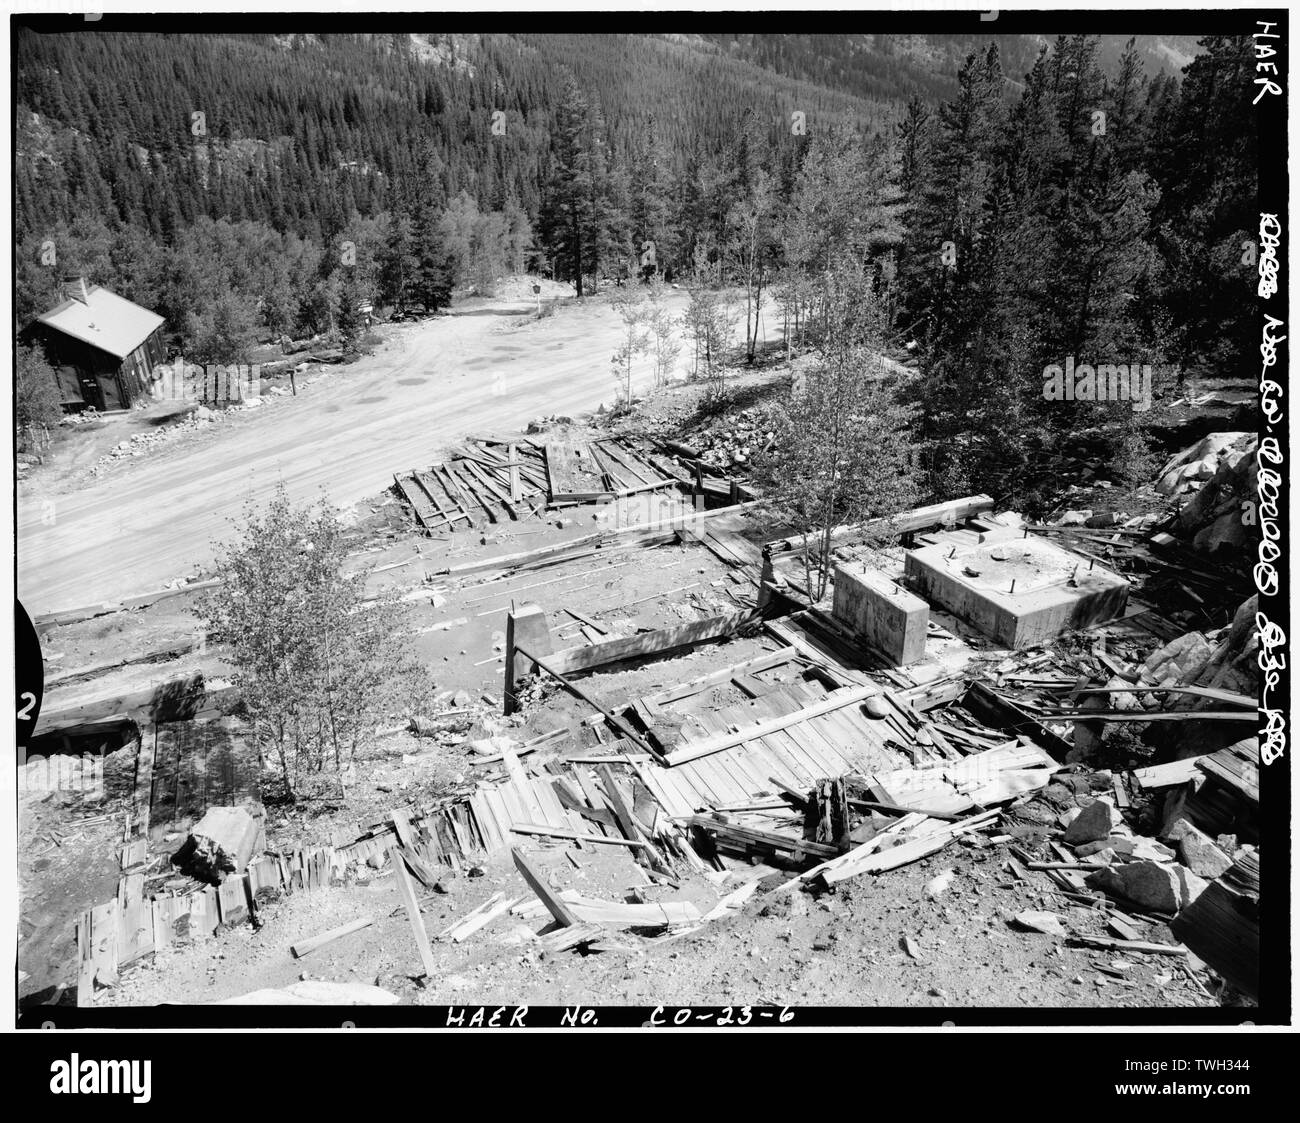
<point>88,376</point>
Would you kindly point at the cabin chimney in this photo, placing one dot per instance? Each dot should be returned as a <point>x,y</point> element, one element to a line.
<point>76,288</point>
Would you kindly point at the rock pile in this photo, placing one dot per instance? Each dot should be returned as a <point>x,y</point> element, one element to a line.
<point>1164,876</point>
<point>1214,518</point>
<point>734,442</point>
<point>1191,468</point>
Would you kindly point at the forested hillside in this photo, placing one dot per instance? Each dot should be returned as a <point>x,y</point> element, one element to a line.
<point>1028,202</point>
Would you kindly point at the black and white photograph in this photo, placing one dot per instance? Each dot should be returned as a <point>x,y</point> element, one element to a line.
<point>697,518</point>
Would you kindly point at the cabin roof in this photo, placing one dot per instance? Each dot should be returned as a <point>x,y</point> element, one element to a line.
<point>105,320</point>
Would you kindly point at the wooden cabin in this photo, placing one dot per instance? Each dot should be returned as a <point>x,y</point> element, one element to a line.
<point>103,348</point>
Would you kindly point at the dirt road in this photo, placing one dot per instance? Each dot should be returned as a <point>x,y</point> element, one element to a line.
<point>478,369</point>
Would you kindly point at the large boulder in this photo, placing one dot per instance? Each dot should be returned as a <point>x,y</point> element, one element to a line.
<point>1095,822</point>
<point>1213,516</point>
<point>1178,661</point>
<point>1199,853</point>
<point>1153,885</point>
<point>1201,461</point>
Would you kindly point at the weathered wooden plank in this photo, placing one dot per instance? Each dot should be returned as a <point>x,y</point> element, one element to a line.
<point>135,937</point>
<point>919,518</point>
<point>1173,773</point>
<point>564,916</point>
<point>846,697</point>
<point>407,891</point>
<point>651,643</point>
<point>904,853</point>
<point>97,939</point>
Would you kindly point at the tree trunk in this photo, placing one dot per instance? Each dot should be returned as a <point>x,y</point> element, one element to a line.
<point>577,253</point>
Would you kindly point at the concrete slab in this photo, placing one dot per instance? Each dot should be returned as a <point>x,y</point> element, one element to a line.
<point>1017,589</point>
<point>886,616</point>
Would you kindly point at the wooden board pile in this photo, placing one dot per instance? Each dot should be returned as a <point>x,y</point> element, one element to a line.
<point>491,480</point>
<point>1108,682</point>
<point>137,922</point>
<point>487,482</point>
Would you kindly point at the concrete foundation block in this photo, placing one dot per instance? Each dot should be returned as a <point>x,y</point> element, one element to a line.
<point>1018,590</point>
<point>889,618</point>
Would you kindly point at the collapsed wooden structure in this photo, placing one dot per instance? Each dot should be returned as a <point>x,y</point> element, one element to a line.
<point>491,480</point>
<point>738,781</point>
<point>814,755</point>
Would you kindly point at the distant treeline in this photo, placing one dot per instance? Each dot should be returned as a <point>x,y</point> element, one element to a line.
<point>1073,210</point>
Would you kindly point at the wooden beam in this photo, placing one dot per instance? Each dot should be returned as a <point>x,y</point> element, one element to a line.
<point>156,655</point>
<point>573,688</point>
<point>919,518</point>
<point>1160,715</point>
<point>1228,697</point>
<point>742,835</point>
<point>412,910</point>
<point>312,943</point>
<point>663,530</point>
<point>516,493</point>
<point>564,916</point>
<point>833,701</point>
<point>1169,775</point>
<point>652,643</point>
<point>577,836</point>
<point>1112,944</point>
<point>174,700</point>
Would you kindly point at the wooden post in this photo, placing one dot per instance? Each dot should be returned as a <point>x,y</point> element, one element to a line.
<point>412,908</point>
<point>766,579</point>
<point>524,626</point>
<point>564,916</point>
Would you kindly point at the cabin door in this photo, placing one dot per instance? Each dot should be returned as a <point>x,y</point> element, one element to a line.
<point>110,392</point>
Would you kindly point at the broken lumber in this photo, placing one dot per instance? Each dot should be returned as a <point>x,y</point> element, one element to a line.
<point>904,853</point>
<point>467,927</point>
<point>583,618</point>
<point>313,943</point>
<point>666,914</point>
<point>903,826</point>
<point>744,836</point>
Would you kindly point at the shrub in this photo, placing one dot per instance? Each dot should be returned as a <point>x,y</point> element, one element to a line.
<point>318,668</point>
<point>37,403</point>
